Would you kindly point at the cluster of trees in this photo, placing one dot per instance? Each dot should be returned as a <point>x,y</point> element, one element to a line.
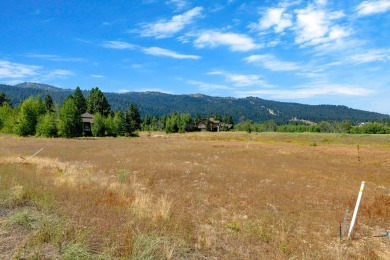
<point>43,117</point>
<point>346,126</point>
<point>242,109</point>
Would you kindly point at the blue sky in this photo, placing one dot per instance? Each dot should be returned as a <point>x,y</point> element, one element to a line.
<point>312,52</point>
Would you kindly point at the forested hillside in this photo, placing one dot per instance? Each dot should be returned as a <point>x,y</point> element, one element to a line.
<point>241,109</point>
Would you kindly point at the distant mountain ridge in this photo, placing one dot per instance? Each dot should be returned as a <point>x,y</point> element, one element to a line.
<point>249,108</point>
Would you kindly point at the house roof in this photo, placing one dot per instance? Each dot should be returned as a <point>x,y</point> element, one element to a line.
<point>87,118</point>
<point>212,120</point>
<point>86,115</point>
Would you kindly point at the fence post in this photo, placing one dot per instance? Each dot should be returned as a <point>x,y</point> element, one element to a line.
<point>356,210</point>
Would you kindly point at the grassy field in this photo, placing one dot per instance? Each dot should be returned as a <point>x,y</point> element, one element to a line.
<point>194,196</point>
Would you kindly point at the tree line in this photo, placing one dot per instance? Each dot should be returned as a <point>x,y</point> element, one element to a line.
<point>381,126</point>
<point>42,117</point>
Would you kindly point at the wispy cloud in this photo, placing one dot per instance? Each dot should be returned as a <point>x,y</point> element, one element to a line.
<point>309,92</point>
<point>156,51</point>
<point>381,55</point>
<point>236,42</point>
<point>275,18</point>
<point>16,70</point>
<point>203,86</point>
<point>167,28</point>
<point>61,72</point>
<point>55,74</point>
<point>119,45</point>
<point>178,4</point>
<point>23,72</point>
<point>371,7</point>
<point>270,62</point>
<point>54,57</point>
<point>242,80</point>
<point>96,76</point>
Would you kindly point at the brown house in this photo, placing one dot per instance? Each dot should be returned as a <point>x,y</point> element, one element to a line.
<point>209,124</point>
<point>87,119</point>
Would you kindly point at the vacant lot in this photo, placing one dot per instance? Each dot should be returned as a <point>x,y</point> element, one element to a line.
<point>194,196</point>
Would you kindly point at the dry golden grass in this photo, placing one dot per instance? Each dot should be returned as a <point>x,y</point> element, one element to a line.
<point>205,195</point>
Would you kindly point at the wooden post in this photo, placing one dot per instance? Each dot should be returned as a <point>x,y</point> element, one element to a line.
<point>32,156</point>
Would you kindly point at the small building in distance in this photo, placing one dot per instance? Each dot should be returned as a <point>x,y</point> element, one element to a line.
<point>87,119</point>
<point>213,125</point>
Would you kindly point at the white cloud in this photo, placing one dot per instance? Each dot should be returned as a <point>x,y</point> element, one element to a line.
<point>21,72</point>
<point>167,28</point>
<point>368,56</point>
<point>241,80</point>
<point>272,63</point>
<point>119,45</point>
<point>274,17</point>
<point>179,4</point>
<point>17,70</point>
<point>123,91</point>
<point>96,76</point>
<point>54,57</point>
<point>309,92</point>
<point>236,42</point>
<point>203,86</point>
<point>371,7</point>
<point>59,72</point>
<point>156,51</point>
<point>315,25</point>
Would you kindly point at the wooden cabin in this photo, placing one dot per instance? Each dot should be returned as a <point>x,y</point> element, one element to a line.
<point>208,124</point>
<point>87,119</point>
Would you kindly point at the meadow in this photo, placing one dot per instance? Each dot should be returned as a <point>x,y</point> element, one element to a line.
<point>194,196</point>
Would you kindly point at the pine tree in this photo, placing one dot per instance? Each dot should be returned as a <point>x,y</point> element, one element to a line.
<point>49,104</point>
<point>80,101</point>
<point>132,120</point>
<point>97,102</point>
<point>4,100</point>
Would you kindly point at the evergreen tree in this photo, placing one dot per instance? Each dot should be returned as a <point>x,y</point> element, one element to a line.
<point>80,101</point>
<point>228,120</point>
<point>146,123</point>
<point>70,124</point>
<point>29,112</point>
<point>49,105</point>
<point>4,100</point>
<point>97,102</point>
<point>132,120</point>
<point>217,117</point>
<point>155,124</point>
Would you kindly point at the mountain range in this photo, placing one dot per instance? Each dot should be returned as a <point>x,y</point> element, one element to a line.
<point>241,109</point>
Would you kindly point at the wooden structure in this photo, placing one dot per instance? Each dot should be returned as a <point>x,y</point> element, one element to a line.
<point>87,119</point>
<point>213,125</point>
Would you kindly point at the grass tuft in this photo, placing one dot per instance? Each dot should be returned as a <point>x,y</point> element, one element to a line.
<point>75,251</point>
<point>24,218</point>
